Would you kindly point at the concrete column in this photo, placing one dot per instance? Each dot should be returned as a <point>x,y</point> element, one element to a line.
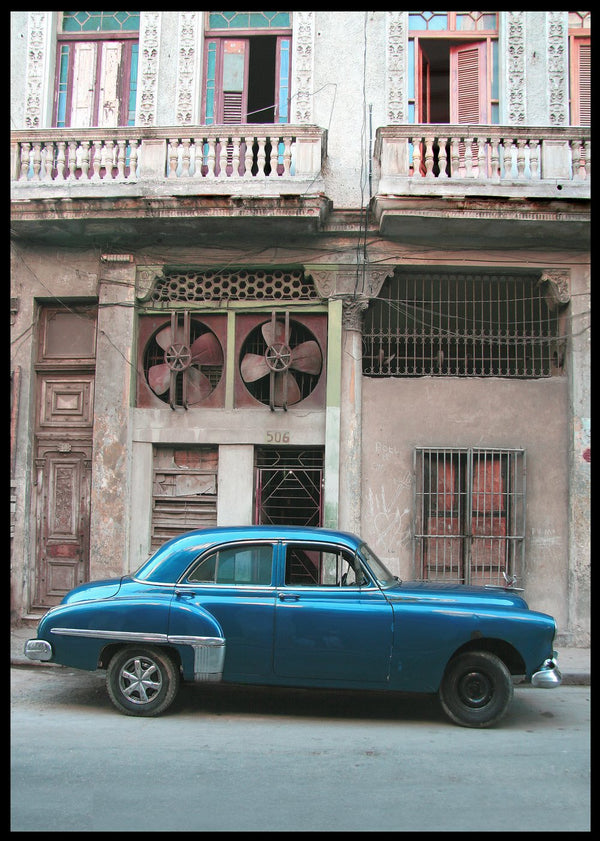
<point>235,484</point>
<point>578,366</point>
<point>351,417</point>
<point>332,418</point>
<point>115,372</point>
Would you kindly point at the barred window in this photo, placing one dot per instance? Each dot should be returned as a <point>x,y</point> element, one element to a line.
<point>469,515</point>
<point>463,324</point>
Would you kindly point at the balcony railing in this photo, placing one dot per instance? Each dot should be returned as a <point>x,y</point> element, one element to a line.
<point>196,157</point>
<point>494,160</point>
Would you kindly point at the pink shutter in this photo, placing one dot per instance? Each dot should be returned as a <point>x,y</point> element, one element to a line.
<point>468,80</point>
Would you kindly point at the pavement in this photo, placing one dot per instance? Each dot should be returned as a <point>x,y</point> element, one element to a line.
<point>574,663</point>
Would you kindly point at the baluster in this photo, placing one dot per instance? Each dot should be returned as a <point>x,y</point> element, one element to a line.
<point>416,157</point>
<point>248,158</point>
<point>235,158</point>
<point>210,158</point>
<point>261,155</point>
<point>97,160</point>
<point>520,159</point>
<point>172,173</point>
<point>121,145</point>
<point>287,156</point>
<point>133,159</point>
<point>110,159</point>
<point>48,158</point>
<point>185,157</point>
<point>85,151</point>
<point>25,151</point>
<point>494,159</point>
<point>442,157</point>
<point>534,160</point>
<point>223,149</point>
<point>428,157</point>
<point>468,157</point>
<point>455,158</point>
<point>482,158</point>
<point>587,160</point>
<point>37,161</point>
<point>60,160</point>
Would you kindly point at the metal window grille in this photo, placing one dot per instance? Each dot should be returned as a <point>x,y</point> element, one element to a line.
<point>469,515</point>
<point>238,285</point>
<point>452,324</point>
<point>289,486</point>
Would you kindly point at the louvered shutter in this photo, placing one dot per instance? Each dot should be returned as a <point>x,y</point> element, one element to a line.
<point>582,82</point>
<point>468,94</point>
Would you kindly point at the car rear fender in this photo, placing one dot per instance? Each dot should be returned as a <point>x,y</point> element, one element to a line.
<point>198,638</point>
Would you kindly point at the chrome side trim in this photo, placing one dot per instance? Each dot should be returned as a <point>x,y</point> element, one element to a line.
<point>125,636</point>
<point>547,677</point>
<point>209,652</point>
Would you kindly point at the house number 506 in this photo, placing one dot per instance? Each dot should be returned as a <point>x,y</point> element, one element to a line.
<point>277,437</point>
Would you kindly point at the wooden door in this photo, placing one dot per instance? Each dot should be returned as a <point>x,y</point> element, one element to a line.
<point>63,473</point>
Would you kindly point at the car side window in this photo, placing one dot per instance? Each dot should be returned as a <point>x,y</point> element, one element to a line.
<point>243,564</point>
<point>325,566</point>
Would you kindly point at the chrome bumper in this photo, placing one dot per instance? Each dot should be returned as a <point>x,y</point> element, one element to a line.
<point>548,676</point>
<point>38,650</point>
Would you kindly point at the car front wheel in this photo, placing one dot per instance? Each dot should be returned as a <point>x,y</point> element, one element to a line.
<point>142,681</point>
<point>476,689</point>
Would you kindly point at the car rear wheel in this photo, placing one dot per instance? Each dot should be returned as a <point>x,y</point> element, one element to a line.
<point>476,689</point>
<point>142,681</point>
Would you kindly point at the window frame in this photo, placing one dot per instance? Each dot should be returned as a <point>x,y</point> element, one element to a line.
<point>343,554</point>
<point>242,545</point>
<point>456,37</point>
<point>127,82</point>
<point>462,501</point>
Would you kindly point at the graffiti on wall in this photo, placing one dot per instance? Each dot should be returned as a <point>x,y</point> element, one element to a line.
<point>389,503</point>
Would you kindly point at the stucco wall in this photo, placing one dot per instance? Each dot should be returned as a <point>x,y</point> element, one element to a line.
<point>401,414</point>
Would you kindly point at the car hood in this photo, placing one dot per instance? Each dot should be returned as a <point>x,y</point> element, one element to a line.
<point>455,594</point>
<point>93,590</point>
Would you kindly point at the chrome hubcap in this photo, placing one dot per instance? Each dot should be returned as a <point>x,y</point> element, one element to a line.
<point>140,680</point>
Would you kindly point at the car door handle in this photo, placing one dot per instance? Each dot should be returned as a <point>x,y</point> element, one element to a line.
<point>288,597</point>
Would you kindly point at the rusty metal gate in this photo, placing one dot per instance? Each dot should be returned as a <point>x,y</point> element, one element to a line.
<point>289,486</point>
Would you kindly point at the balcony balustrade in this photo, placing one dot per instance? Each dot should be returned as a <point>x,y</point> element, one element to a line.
<point>484,160</point>
<point>199,160</point>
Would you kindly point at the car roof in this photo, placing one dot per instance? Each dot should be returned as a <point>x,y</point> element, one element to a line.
<point>173,557</point>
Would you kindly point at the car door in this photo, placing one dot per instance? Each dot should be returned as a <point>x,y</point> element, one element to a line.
<point>332,623</point>
<point>232,583</point>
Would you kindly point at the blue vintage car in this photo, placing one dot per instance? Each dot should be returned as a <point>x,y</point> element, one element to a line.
<point>300,607</point>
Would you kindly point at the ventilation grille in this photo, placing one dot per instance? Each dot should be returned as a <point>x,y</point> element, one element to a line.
<point>235,286</point>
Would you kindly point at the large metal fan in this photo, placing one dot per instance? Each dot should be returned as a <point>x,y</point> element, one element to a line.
<point>192,361</point>
<point>291,367</point>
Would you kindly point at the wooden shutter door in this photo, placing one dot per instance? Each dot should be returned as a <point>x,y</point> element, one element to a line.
<point>84,84</point>
<point>109,105</point>
<point>235,82</point>
<point>581,83</point>
<point>468,84</point>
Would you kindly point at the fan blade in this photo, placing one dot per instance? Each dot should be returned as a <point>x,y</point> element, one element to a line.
<point>306,357</point>
<point>273,334</point>
<point>198,385</point>
<point>206,350</point>
<point>293,391</point>
<point>253,367</point>
<point>159,377</point>
<point>165,338</point>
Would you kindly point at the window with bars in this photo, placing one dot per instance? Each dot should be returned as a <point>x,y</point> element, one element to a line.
<point>469,515</point>
<point>455,324</point>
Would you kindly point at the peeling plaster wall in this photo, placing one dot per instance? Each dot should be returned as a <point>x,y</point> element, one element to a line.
<point>401,414</point>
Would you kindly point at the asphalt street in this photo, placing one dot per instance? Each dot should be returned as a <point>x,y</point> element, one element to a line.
<point>252,759</point>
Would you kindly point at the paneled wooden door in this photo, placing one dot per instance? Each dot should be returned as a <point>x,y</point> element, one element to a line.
<point>65,380</point>
<point>63,478</point>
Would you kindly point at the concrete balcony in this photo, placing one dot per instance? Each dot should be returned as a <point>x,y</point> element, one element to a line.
<point>491,182</point>
<point>252,173</point>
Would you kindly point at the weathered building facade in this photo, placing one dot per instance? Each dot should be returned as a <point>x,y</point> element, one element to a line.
<point>308,267</point>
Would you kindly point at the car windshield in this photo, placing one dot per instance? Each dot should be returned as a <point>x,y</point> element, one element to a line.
<point>380,571</point>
